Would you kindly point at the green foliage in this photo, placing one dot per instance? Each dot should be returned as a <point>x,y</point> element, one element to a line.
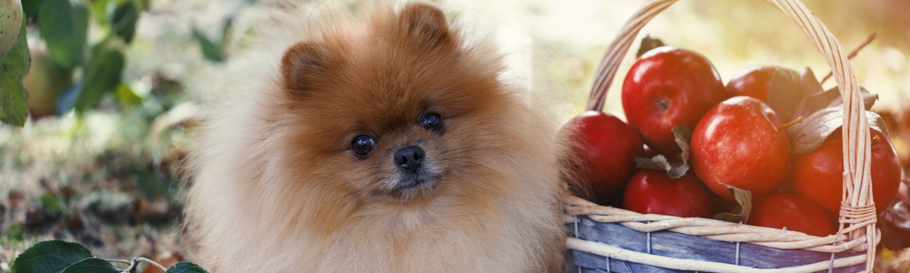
<point>210,49</point>
<point>65,257</point>
<point>29,7</point>
<point>126,96</point>
<point>102,73</point>
<point>99,7</point>
<point>123,20</point>
<point>13,96</point>
<point>91,265</point>
<point>107,60</point>
<point>63,24</point>
<point>49,256</point>
<point>64,27</point>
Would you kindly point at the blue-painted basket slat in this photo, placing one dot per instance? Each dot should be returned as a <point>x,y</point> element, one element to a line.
<point>677,245</point>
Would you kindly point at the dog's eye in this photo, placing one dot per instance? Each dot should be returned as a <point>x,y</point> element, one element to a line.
<point>432,121</point>
<point>363,145</point>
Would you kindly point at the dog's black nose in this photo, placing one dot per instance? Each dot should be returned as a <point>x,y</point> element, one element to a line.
<point>409,158</point>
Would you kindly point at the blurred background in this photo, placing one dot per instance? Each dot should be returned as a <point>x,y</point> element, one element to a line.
<point>98,160</point>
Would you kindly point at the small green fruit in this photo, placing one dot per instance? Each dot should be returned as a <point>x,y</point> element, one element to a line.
<point>44,82</point>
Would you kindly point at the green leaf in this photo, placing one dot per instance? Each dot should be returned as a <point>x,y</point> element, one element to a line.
<point>64,27</point>
<point>123,20</point>
<point>91,265</point>
<point>742,211</point>
<point>49,256</point>
<point>13,96</point>
<point>674,169</point>
<point>787,90</point>
<point>210,50</point>
<point>99,7</point>
<point>185,267</point>
<point>125,95</point>
<point>29,7</point>
<point>103,73</point>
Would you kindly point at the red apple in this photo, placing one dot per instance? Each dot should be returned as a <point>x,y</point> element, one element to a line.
<point>602,151</point>
<point>666,87</point>
<point>738,143</point>
<point>654,192</point>
<point>817,175</point>
<point>795,212</point>
<point>752,82</point>
<point>650,153</point>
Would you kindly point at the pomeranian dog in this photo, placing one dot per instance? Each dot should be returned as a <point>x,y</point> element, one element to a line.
<point>382,142</point>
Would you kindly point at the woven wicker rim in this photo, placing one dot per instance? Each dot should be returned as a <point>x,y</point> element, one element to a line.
<point>857,229</point>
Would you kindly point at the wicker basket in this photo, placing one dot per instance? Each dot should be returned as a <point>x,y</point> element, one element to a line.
<point>616,240</point>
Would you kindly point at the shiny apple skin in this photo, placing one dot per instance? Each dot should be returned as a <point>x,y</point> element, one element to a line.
<point>795,212</point>
<point>752,82</point>
<point>654,192</point>
<point>666,87</point>
<point>738,143</point>
<point>817,175</point>
<point>601,158</point>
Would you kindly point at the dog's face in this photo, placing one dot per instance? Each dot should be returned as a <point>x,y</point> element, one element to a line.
<point>372,143</point>
<point>393,110</point>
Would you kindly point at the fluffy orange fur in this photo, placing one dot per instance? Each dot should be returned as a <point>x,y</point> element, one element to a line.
<point>277,188</point>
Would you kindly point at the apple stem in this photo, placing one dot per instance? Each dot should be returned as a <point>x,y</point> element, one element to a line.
<point>853,53</point>
<point>795,121</point>
<point>876,139</point>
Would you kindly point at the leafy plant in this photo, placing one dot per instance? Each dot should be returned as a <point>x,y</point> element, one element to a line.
<point>63,25</point>
<point>102,73</point>
<point>67,257</point>
<point>214,50</point>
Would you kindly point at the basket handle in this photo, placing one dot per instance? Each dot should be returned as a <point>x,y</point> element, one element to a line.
<point>855,216</point>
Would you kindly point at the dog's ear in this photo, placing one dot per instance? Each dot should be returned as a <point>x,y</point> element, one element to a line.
<point>424,23</point>
<point>303,66</point>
